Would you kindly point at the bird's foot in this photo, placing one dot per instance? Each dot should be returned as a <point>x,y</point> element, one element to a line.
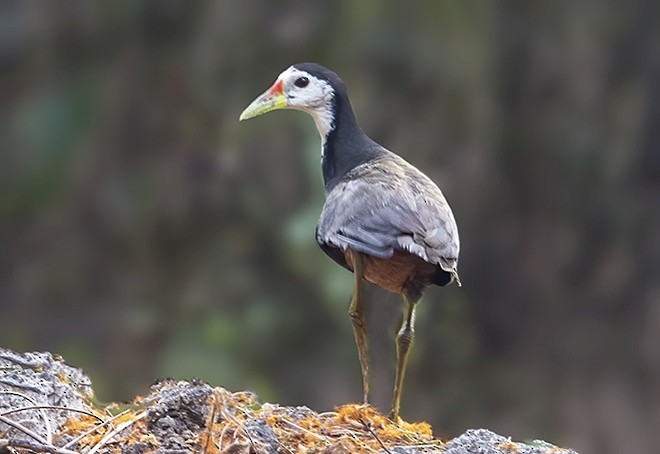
<point>394,417</point>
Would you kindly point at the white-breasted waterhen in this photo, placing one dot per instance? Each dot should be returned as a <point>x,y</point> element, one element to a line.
<point>383,219</point>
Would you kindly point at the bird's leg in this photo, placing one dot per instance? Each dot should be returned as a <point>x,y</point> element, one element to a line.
<point>404,340</point>
<point>356,311</point>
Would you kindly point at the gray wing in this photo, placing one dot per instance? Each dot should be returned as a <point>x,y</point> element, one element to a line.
<point>386,205</point>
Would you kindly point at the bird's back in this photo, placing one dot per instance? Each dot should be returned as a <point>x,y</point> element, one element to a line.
<point>388,210</point>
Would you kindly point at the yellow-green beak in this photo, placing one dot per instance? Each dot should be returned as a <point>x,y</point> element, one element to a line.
<point>271,99</point>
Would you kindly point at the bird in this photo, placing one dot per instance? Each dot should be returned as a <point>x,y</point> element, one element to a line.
<point>383,219</point>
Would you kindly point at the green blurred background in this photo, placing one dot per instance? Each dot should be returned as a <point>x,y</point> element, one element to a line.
<point>145,233</point>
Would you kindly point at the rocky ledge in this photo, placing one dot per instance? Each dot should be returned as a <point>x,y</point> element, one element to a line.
<point>48,406</point>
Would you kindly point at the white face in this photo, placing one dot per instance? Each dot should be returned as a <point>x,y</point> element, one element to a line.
<point>304,91</point>
<point>310,94</point>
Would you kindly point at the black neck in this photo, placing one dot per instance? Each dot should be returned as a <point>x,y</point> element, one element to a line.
<point>346,145</point>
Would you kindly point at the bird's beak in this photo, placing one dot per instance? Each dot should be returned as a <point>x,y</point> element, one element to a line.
<point>271,99</point>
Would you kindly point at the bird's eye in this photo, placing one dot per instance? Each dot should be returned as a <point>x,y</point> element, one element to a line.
<point>301,82</point>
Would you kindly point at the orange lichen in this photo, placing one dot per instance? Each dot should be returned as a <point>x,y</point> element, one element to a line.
<point>386,430</point>
<point>207,443</point>
<point>310,423</point>
<point>81,424</point>
<point>508,446</point>
<point>353,428</point>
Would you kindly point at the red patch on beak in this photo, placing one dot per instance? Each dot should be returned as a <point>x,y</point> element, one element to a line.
<point>277,88</point>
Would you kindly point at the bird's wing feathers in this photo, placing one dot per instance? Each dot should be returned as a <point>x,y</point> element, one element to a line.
<point>386,205</point>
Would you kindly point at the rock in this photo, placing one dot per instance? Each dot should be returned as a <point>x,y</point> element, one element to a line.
<point>177,411</point>
<point>40,379</point>
<point>483,441</point>
<point>191,416</point>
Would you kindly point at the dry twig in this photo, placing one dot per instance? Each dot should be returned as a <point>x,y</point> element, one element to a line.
<point>49,430</point>
<point>94,429</point>
<point>119,428</point>
<point>52,407</point>
<point>24,429</point>
<point>370,430</point>
<point>32,446</point>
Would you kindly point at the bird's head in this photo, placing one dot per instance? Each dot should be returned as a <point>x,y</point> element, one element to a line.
<point>306,86</point>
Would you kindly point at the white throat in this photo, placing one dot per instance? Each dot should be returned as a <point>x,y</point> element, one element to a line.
<point>325,121</point>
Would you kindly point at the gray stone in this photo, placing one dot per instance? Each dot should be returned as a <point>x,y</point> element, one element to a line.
<point>483,441</point>
<point>177,412</point>
<point>40,379</point>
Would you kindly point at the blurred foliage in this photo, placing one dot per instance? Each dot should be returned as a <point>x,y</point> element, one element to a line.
<point>144,232</point>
